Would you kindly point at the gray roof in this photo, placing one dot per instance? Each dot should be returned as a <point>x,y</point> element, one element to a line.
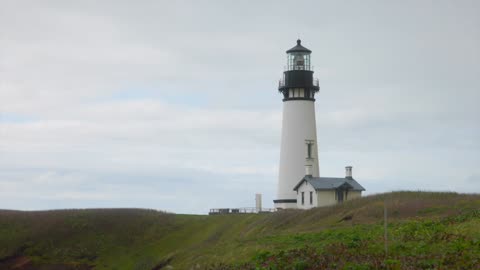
<point>329,183</point>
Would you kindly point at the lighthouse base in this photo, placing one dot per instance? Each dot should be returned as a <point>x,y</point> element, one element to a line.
<point>285,204</point>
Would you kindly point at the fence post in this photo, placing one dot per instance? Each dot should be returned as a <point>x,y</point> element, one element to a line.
<point>385,225</point>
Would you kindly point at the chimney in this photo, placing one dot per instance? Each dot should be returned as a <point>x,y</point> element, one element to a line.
<point>308,170</point>
<point>258,202</point>
<point>348,172</point>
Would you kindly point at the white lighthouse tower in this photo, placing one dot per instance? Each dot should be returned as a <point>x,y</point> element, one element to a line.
<point>299,152</point>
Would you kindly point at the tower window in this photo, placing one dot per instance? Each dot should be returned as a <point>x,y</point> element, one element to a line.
<point>303,198</point>
<point>301,92</point>
<point>309,149</point>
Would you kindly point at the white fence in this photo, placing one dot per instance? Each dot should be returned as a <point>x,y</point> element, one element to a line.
<point>242,210</point>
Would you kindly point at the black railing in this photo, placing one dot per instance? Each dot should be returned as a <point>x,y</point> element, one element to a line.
<point>315,82</point>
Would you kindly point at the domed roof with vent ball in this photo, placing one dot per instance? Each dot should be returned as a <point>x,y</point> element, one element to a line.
<point>299,48</point>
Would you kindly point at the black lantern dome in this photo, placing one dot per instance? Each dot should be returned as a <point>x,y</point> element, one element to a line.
<point>298,82</point>
<point>299,48</point>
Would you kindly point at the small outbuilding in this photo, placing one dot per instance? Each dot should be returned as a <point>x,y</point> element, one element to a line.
<point>323,191</point>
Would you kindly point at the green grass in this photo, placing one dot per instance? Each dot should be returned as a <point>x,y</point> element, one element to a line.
<point>426,231</point>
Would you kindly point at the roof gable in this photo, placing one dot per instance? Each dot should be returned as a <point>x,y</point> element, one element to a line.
<point>300,183</point>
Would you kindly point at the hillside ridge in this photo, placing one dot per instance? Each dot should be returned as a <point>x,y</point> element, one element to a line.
<point>428,222</point>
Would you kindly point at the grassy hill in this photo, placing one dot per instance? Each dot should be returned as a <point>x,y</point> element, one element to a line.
<point>425,230</point>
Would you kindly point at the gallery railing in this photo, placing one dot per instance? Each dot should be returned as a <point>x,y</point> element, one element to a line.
<point>281,83</point>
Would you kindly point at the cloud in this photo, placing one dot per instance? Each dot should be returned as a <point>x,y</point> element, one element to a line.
<point>178,101</point>
<point>475,178</point>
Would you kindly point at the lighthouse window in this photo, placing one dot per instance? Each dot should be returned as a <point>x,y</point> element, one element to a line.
<point>309,149</point>
<point>299,61</point>
<point>291,92</point>
<point>311,197</point>
<point>301,92</point>
<point>303,198</point>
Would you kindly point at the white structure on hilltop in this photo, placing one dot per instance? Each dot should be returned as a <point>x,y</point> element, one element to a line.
<point>258,202</point>
<point>299,151</point>
<point>322,191</point>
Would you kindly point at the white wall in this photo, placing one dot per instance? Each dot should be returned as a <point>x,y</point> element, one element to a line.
<point>286,205</point>
<point>321,197</point>
<point>306,188</point>
<point>298,125</point>
<point>326,197</point>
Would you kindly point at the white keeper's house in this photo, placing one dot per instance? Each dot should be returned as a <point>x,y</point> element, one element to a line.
<point>323,191</point>
<point>299,181</point>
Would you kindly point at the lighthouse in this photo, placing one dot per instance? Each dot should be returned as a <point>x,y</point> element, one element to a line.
<point>299,148</point>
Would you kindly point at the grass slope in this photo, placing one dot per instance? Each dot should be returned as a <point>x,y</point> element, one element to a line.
<point>426,231</point>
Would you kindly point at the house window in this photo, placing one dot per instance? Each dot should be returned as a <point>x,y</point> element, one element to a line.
<point>311,197</point>
<point>303,198</point>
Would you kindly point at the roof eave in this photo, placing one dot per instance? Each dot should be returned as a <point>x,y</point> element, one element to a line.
<point>299,50</point>
<point>354,189</point>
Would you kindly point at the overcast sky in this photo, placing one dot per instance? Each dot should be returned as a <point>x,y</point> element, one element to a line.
<point>174,104</point>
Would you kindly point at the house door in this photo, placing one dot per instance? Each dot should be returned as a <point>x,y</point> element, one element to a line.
<point>339,195</point>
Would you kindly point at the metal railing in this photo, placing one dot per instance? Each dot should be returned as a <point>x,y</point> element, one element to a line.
<point>241,210</point>
<point>293,67</point>
<point>315,82</point>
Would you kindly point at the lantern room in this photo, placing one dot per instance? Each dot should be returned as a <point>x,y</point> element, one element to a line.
<point>298,57</point>
<point>298,82</point>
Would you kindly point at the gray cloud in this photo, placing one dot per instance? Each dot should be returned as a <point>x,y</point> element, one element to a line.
<point>178,101</point>
<point>474,178</point>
